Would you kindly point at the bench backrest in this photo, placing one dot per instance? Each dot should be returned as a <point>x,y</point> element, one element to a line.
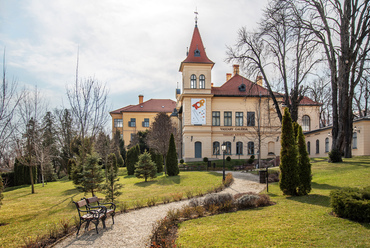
<point>81,203</point>
<point>93,199</point>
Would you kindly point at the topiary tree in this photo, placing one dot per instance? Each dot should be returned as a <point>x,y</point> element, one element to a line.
<point>111,186</point>
<point>251,159</point>
<point>304,165</point>
<point>335,156</point>
<point>289,179</point>
<point>145,167</point>
<point>92,175</point>
<point>171,159</point>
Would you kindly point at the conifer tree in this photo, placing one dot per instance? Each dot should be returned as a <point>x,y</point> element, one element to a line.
<point>92,175</point>
<point>1,190</point>
<point>171,159</point>
<point>295,128</point>
<point>289,179</point>
<point>159,162</point>
<point>145,167</point>
<point>112,187</point>
<point>132,157</point>
<point>304,165</point>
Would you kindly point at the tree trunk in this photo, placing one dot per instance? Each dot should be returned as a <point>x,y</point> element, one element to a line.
<point>32,183</point>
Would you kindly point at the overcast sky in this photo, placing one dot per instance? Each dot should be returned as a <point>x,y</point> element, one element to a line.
<point>135,47</point>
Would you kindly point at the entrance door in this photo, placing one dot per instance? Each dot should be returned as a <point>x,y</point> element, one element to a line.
<point>198,149</point>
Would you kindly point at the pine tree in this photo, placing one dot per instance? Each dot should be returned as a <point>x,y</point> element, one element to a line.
<point>289,179</point>
<point>171,159</point>
<point>159,162</point>
<point>145,167</point>
<point>112,187</point>
<point>1,190</point>
<point>92,175</point>
<point>304,165</point>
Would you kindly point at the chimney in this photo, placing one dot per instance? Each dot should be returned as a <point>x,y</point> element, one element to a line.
<point>259,81</point>
<point>236,69</point>
<point>228,76</point>
<point>141,99</point>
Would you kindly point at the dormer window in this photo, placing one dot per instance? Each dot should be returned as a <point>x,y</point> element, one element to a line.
<point>197,53</point>
<point>193,81</point>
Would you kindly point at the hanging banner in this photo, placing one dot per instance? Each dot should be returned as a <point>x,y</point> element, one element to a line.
<point>198,111</point>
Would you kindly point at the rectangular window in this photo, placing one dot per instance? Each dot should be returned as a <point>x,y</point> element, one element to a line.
<point>132,123</point>
<point>146,122</point>
<point>215,118</point>
<point>239,119</point>
<point>118,123</point>
<point>250,119</point>
<point>227,118</point>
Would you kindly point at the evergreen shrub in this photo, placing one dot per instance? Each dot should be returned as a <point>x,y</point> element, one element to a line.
<point>351,203</point>
<point>228,159</point>
<point>171,159</point>
<point>335,156</point>
<point>251,160</point>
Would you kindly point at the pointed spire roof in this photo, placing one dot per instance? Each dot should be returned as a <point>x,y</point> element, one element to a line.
<point>197,53</point>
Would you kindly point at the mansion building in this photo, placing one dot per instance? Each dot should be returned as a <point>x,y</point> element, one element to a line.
<point>239,113</point>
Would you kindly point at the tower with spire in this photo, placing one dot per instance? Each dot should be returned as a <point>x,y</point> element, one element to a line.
<point>196,99</point>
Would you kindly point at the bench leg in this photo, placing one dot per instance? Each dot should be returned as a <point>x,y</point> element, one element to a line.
<point>113,217</point>
<point>96,226</point>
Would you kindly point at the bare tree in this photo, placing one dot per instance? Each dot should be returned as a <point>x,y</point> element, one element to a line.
<point>10,99</point>
<point>320,91</point>
<point>265,126</point>
<point>278,47</point>
<point>362,97</point>
<point>159,134</point>
<point>341,28</point>
<point>88,102</point>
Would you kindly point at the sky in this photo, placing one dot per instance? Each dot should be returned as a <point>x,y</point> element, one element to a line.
<point>134,47</point>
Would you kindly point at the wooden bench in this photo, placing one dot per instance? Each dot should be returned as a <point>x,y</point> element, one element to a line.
<point>110,206</point>
<point>90,214</point>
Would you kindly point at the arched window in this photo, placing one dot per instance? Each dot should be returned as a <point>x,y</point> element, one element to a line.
<point>306,123</point>
<point>309,147</point>
<point>250,148</point>
<point>327,145</point>
<point>317,146</point>
<point>193,81</point>
<point>216,148</point>
<point>239,148</point>
<point>271,148</point>
<point>354,141</point>
<point>228,148</point>
<point>202,81</point>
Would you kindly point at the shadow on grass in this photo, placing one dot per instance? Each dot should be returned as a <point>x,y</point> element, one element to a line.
<point>313,199</point>
<point>16,187</point>
<point>323,186</point>
<point>73,191</point>
<point>145,184</point>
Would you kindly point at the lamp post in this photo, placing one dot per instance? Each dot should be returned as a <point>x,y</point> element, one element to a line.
<point>223,148</point>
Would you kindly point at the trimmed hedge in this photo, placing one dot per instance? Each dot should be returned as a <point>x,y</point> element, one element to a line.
<point>351,203</point>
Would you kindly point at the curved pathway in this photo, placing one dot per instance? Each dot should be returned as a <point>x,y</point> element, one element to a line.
<point>133,229</point>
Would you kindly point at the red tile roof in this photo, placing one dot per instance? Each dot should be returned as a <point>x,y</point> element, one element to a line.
<point>309,102</point>
<point>152,105</point>
<point>231,88</point>
<point>196,43</point>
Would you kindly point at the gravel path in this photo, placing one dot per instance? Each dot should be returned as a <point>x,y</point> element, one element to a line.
<point>133,229</point>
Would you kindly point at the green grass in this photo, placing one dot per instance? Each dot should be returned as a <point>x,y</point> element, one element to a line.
<point>27,215</point>
<point>294,221</point>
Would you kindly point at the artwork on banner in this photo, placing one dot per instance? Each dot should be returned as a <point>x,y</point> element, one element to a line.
<point>198,111</point>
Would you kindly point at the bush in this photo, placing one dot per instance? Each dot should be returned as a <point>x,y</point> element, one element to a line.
<point>171,159</point>
<point>351,203</point>
<point>247,201</point>
<point>222,201</point>
<point>229,179</point>
<point>335,156</point>
<point>251,160</point>
<point>228,159</point>
<point>205,159</point>
<point>181,161</point>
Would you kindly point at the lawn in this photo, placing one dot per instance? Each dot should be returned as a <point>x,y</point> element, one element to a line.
<point>28,215</point>
<point>294,221</point>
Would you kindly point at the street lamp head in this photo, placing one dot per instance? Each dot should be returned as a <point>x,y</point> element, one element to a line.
<point>223,147</point>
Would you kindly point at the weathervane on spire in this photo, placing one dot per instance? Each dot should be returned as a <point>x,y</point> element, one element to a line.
<point>196,16</point>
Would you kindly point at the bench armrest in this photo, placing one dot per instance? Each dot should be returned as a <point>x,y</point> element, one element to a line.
<point>112,205</point>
